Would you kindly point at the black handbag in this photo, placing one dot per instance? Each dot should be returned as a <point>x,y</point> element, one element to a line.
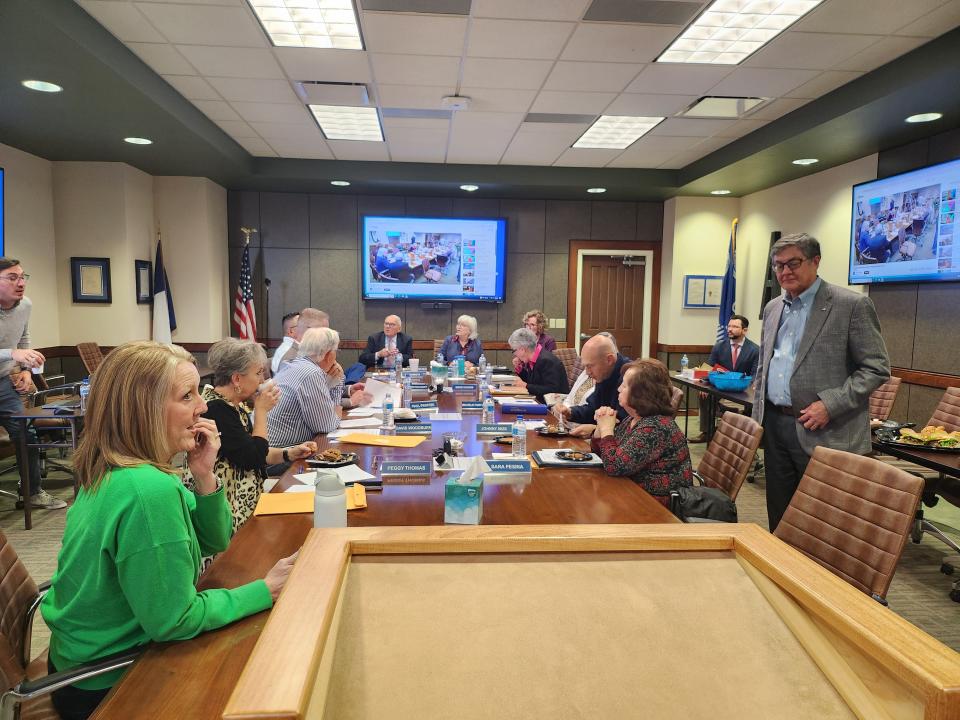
<point>702,504</point>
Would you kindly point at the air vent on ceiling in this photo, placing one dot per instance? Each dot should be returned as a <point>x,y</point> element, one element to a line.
<point>648,12</point>
<point>435,7</point>
<point>724,107</point>
<point>559,118</point>
<point>322,93</point>
<point>416,113</point>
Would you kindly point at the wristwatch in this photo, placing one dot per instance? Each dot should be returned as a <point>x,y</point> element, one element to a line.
<point>286,454</point>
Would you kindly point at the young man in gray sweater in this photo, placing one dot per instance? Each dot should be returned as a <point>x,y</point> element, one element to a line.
<point>16,360</point>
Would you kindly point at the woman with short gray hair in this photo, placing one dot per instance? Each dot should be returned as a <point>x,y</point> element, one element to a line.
<point>238,371</point>
<point>464,341</point>
<point>539,370</point>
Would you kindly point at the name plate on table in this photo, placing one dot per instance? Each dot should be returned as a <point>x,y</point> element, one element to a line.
<point>524,408</point>
<point>494,429</point>
<point>509,466</point>
<point>406,468</point>
<point>464,389</point>
<point>414,429</point>
<point>471,406</point>
<point>425,405</point>
<point>418,373</point>
<point>419,387</point>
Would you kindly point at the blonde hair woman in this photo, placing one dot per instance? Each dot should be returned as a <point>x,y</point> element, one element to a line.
<point>134,536</point>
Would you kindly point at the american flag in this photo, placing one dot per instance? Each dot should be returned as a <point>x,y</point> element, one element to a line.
<point>244,317</point>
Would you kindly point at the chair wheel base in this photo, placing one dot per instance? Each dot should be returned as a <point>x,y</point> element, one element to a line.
<point>947,569</point>
<point>955,595</point>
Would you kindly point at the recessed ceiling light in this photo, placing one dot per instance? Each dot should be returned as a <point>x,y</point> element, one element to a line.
<point>924,117</point>
<point>616,131</point>
<point>294,23</point>
<point>729,31</point>
<point>806,161</point>
<point>138,141</point>
<point>340,183</point>
<point>719,192</point>
<point>470,188</point>
<point>344,122</point>
<point>596,190</point>
<point>42,86</point>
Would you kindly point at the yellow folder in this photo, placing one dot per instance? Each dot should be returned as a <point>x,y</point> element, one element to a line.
<point>302,502</point>
<point>402,441</point>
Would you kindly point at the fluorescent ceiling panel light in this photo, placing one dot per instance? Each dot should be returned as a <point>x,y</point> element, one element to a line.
<point>341,122</point>
<point>729,31</point>
<point>138,141</point>
<point>616,132</point>
<point>924,117</point>
<point>470,188</point>
<point>309,23</point>
<point>340,183</point>
<point>806,161</point>
<point>723,107</point>
<point>719,192</point>
<point>596,190</point>
<point>42,86</point>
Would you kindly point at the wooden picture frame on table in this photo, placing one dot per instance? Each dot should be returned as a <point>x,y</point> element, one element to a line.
<point>90,280</point>
<point>144,274</point>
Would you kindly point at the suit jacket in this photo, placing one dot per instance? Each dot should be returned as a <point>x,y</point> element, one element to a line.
<point>746,361</point>
<point>377,342</point>
<point>548,375</point>
<point>605,394</point>
<point>841,359</point>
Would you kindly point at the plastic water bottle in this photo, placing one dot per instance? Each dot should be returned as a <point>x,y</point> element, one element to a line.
<point>387,413</point>
<point>482,364</point>
<point>488,408</point>
<point>407,394</point>
<point>461,365</point>
<point>519,438</point>
<point>684,363</point>
<point>329,501</point>
<point>489,375</point>
<point>399,368</point>
<point>84,393</point>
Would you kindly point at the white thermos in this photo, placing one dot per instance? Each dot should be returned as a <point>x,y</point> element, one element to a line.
<point>329,501</point>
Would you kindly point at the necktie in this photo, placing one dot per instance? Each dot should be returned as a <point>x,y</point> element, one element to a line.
<point>734,354</point>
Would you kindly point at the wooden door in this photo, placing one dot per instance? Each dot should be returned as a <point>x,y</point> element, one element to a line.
<point>612,300</point>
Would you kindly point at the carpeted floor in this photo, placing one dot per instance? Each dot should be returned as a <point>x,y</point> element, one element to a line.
<point>919,591</point>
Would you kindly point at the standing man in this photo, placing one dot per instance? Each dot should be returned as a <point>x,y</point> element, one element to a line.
<point>603,363</point>
<point>383,347</point>
<point>737,354</point>
<point>289,337</point>
<point>16,360</point>
<point>821,357</point>
<point>308,318</point>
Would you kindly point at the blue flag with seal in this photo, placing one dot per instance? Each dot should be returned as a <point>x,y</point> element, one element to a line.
<point>728,292</point>
<point>164,319</point>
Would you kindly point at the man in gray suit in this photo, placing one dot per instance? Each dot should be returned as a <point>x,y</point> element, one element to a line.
<point>821,356</point>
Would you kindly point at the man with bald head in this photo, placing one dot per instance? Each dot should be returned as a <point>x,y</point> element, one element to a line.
<point>309,318</point>
<point>383,347</point>
<point>602,362</point>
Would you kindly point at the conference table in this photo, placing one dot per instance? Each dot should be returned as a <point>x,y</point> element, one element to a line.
<point>194,679</point>
<point>714,396</point>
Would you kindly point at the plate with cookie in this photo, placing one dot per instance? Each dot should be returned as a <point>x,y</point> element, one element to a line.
<point>552,431</point>
<point>332,458</point>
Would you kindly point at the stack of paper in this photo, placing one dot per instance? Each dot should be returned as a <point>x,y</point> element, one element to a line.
<point>380,390</point>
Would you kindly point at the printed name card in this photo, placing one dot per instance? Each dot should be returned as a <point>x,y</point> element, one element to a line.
<point>406,468</point>
<point>464,389</point>
<point>494,429</point>
<point>509,466</point>
<point>471,406</point>
<point>424,406</point>
<point>419,387</point>
<point>414,429</point>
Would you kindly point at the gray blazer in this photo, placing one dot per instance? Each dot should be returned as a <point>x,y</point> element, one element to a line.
<point>841,360</point>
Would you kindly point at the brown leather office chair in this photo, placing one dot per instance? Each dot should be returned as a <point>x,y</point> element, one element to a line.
<point>731,453</point>
<point>852,514</point>
<point>882,399</point>
<point>571,363</point>
<point>91,356</point>
<point>676,397</point>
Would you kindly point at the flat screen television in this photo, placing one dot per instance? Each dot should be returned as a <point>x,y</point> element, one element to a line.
<point>424,258</point>
<point>903,227</point>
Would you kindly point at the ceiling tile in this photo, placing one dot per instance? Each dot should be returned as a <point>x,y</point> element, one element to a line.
<point>517,38</point>
<point>678,79</point>
<point>233,3</point>
<point>249,90</point>
<point>541,143</point>
<point>273,133</point>
<point>572,103</point>
<point>690,127</point>
<point>579,157</point>
<point>192,87</point>
<point>417,144</point>
<point>256,147</point>
<point>511,74</point>
<point>944,18</point>
<point>237,129</point>
<point>324,64</point>
<point>650,105</point>
<point>881,53</point>
<point>877,17</point>
<point>711,144</point>
<point>415,69</point>
<point>813,51</point>
<point>650,152</point>
<point>741,128</point>
<point>778,108</point>
<point>355,150</point>
<point>498,100</point>
<point>163,58</point>
<point>396,123</point>
<point>619,43</point>
<point>823,83</point>
<point>481,138</point>
<point>217,110</point>
<point>413,96</point>
<point>315,149</point>
<point>757,82</point>
<point>232,62</point>
<point>205,24</point>
<point>530,9</point>
<point>123,20</point>
<point>414,34</point>
<point>592,77</point>
<point>272,112</point>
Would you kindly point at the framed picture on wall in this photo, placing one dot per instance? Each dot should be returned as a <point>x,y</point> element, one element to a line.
<point>702,291</point>
<point>144,272</point>
<point>90,280</point>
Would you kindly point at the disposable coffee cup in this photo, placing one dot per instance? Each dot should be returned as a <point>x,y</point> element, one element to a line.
<point>414,363</point>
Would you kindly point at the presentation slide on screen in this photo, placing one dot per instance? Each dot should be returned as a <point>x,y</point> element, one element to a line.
<point>433,258</point>
<point>903,227</point>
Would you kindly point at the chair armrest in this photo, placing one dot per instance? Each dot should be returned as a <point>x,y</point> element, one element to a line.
<point>30,689</point>
<point>28,624</point>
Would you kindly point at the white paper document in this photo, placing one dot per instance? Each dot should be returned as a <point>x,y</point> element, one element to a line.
<point>269,483</point>
<point>510,400</point>
<point>380,390</point>
<point>368,422</point>
<point>446,416</point>
<point>300,489</point>
<point>502,378</point>
<point>362,412</point>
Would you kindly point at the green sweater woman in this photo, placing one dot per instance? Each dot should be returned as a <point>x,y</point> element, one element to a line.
<point>134,536</point>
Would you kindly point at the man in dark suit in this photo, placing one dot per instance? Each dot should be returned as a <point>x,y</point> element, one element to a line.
<point>540,371</point>
<point>821,356</point>
<point>737,354</point>
<point>383,347</point>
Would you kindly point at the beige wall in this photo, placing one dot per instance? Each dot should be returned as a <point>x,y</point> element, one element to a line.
<point>29,236</point>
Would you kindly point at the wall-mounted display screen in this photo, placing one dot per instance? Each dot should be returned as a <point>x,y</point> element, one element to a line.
<point>420,258</point>
<point>903,228</point>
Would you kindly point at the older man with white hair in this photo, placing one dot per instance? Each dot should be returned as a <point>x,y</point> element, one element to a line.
<point>310,391</point>
<point>603,362</point>
<point>383,347</point>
